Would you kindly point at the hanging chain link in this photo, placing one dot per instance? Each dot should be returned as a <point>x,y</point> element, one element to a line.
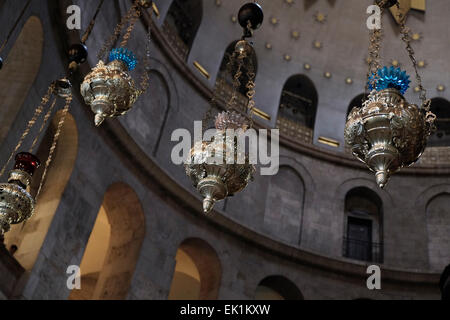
<point>405,31</point>
<point>136,13</point>
<point>41,129</point>
<point>237,62</point>
<point>375,39</point>
<point>145,79</point>
<point>88,31</point>
<point>251,75</point>
<point>118,30</point>
<point>30,125</point>
<point>236,82</point>
<point>61,122</point>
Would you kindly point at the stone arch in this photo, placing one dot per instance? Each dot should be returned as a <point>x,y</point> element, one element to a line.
<point>340,204</point>
<point>285,205</point>
<point>147,122</point>
<point>441,137</point>
<point>298,108</point>
<point>198,272</point>
<point>19,72</point>
<point>438,227</point>
<point>277,288</point>
<point>27,238</point>
<point>363,234</point>
<point>113,248</point>
<point>369,183</point>
<point>182,23</point>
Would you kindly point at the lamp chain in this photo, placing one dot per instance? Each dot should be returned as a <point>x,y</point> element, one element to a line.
<point>118,30</point>
<point>38,111</point>
<point>375,39</point>
<point>251,90</point>
<point>88,31</point>
<point>46,117</point>
<point>61,122</point>
<point>135,14</point>
<point>145,76</point>
<point>236,83</point>
<point>405,31</point>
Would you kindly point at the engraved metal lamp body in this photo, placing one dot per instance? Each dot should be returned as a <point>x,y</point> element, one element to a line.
<point>16,203</point>
<point>217,180</point>
<point>388,133</point>
<point>109,89</point>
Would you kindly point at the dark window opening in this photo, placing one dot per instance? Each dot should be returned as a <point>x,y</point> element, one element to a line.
<point>441,137</point>
<point>184,18</point>
<point>363,238</point>
<point>299,101</point>
<point>227,71</point>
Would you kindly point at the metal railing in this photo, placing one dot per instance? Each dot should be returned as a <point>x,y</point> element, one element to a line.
<point>363,250</point>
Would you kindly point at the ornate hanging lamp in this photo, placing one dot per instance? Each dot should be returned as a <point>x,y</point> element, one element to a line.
<point>16,202</point>
<point>388,133</point>
<point>217,180</point>
<point>109,89</point>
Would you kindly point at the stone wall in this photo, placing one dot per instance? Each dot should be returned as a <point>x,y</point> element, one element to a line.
<point>255,234</point>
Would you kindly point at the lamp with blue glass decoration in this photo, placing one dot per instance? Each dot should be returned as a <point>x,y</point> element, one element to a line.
<point>109,89</point>
<point>388,133</point>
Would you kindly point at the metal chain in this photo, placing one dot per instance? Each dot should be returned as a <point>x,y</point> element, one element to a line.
<point>30,125</point>
<point>376,37</point>
<point>405,31</point>
<point>236,82</point>
<point>41,129</point>
<point>61,122</point>
<point>251,90</point>
<point>134,17</point>
<point>145,76</point>
<point>88,31</point>
<point>118,30</point>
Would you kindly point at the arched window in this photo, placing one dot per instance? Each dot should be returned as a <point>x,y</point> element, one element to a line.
<point>440,138</point>
<point>438,225</point>
<point>26,239</point>
<point>298,108</point>
<point>181,25</point>
<point>114,246</point>
<point>284,207</point>
<point>277,288</point>
<point>198,272</point>
<point>20,69</point>
<point>364,226</point>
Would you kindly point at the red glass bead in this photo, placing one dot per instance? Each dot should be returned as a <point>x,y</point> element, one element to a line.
<point>27,162</point>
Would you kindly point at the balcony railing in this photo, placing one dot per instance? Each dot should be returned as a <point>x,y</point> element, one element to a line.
<point>363,250</point>
<point>295,130</point>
